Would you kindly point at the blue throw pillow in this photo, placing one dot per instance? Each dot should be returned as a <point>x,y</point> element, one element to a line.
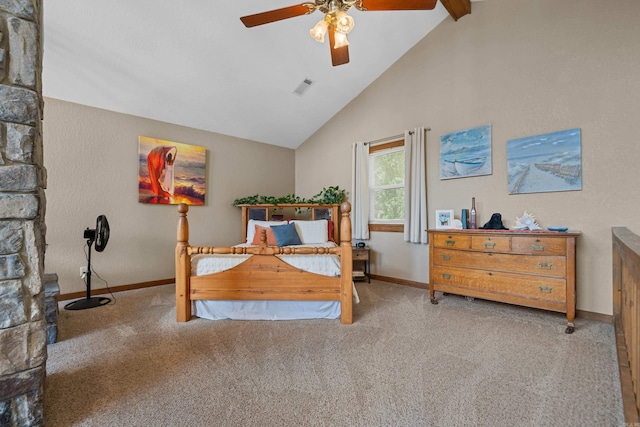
<point>286,235</point>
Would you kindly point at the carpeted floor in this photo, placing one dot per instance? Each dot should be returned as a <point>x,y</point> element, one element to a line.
<point>403,362</point>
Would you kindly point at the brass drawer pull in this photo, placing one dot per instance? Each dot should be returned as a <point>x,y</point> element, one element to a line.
<point>537,247</point>
<point>545,289</point>
<point>446,276</point>
<point>489,245</point>
<point>450,242</point>
<point>446,257</point>
<point>545,265</point>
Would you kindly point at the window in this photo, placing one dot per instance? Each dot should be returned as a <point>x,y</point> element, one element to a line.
<point>386,187</point>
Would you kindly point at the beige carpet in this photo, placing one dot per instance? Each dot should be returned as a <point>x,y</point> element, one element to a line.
<point>404,362</point>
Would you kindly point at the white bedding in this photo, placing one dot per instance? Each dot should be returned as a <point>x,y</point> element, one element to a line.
<point>327,265</point>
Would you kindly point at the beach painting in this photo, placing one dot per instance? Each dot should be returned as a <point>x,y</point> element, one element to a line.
<point>170,173</point>
<point>466,153</point>
<point>545,163</point>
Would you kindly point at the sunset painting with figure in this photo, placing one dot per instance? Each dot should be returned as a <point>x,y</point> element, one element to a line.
<point>170,173</point>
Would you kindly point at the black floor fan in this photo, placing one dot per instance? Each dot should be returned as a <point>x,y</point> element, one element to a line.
<point>99,236</point>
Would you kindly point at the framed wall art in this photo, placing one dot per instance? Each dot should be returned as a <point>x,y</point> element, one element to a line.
<point>170,173</point>
<point>444,219</point>
<point>545,163</point>
<point>466,153</point>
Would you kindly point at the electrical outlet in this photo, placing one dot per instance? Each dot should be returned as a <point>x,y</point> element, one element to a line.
<point>83,271</point>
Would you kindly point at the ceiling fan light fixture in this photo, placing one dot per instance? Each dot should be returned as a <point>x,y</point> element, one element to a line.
<point>344,23</point>
<point>340,40</point>
<point>336,21</point>
<point>319,31</point>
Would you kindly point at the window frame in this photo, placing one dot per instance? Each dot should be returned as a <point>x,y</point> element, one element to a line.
<point>385,226</point>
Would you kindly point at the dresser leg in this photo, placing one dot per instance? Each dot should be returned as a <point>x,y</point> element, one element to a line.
<point>570,328</point>
<point>434,300</point>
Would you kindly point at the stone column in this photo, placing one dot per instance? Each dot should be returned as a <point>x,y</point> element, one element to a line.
<point>23,328</point>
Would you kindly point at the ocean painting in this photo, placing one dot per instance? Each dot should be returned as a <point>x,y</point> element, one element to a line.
<point>545,163</point>
<point>466,153</point>
<point>170,173</point>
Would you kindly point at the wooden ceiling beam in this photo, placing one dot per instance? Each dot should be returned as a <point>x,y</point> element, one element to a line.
<point>457,8</point>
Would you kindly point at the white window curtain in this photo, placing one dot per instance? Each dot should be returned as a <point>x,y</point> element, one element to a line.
<point>360,191</point>
<point>415,182</point>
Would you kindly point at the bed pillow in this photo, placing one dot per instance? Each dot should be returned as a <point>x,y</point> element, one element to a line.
<point>330,230</point>
<point>286,235</point>
<point>251,227</point>
<point>271,238</point>
<point>312,232</point>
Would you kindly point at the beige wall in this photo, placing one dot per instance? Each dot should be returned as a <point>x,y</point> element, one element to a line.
<point>91,156</point>
<point>527,68</point>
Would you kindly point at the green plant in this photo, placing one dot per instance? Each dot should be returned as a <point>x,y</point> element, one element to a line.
<point>328,196</point>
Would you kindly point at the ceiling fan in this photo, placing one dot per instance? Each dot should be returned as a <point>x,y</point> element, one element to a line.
<point>336,22</point>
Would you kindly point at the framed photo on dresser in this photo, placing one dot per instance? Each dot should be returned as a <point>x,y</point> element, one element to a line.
<point>444,219</point>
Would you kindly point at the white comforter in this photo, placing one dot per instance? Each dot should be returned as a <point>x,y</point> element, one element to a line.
<point>327,265</point>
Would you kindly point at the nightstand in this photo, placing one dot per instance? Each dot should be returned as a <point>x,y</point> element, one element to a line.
<point>361,263</point>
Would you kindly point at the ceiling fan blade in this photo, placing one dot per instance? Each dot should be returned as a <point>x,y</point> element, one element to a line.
<point>340,55</point>
<point>373,5</point>
<point>277,14</point>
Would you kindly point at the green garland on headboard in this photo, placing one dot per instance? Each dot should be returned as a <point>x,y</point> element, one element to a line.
<point>328,196</point>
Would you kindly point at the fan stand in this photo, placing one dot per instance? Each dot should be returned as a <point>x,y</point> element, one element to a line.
<point>89,301</point>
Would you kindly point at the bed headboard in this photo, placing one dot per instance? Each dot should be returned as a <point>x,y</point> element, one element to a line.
<point>311,211</point>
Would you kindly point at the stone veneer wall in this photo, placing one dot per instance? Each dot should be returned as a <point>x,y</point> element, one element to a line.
<point>23,328</point>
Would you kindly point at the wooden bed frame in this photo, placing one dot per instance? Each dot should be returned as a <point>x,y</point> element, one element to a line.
<point>264,276</point>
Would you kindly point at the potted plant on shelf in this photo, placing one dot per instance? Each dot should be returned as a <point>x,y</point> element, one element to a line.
<point>328,196</point>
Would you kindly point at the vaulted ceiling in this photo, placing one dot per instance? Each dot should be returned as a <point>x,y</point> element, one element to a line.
<point>195,64</point>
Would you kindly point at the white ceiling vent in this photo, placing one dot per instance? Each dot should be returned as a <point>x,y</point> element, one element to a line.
<point>303,87</point>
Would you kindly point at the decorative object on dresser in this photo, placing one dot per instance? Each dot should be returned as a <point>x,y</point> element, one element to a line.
<point>361,263</point>
<point>495,223</point>
<point>473,218</point>
<point>444,219</point>
<point>534,269</point>
<point>527,222</point>
<point>464,218</point>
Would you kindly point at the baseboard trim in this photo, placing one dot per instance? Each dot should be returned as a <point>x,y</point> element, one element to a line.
<point>588,315</point>
<point>598,317</point>
<point>402,282</point>
<point>102,291</point>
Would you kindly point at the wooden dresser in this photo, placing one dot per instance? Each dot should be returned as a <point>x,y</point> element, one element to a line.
<point>530,268</point>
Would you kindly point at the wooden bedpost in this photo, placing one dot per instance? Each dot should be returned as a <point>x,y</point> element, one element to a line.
<point>183,267</point>
<point>346,259</point>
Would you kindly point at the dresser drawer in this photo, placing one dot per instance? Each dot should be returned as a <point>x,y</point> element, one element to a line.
<point>555,266</point>
<point>491,243</point>
<point>539,246</point>
<point>498,283</point>
<point>458,241</point>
